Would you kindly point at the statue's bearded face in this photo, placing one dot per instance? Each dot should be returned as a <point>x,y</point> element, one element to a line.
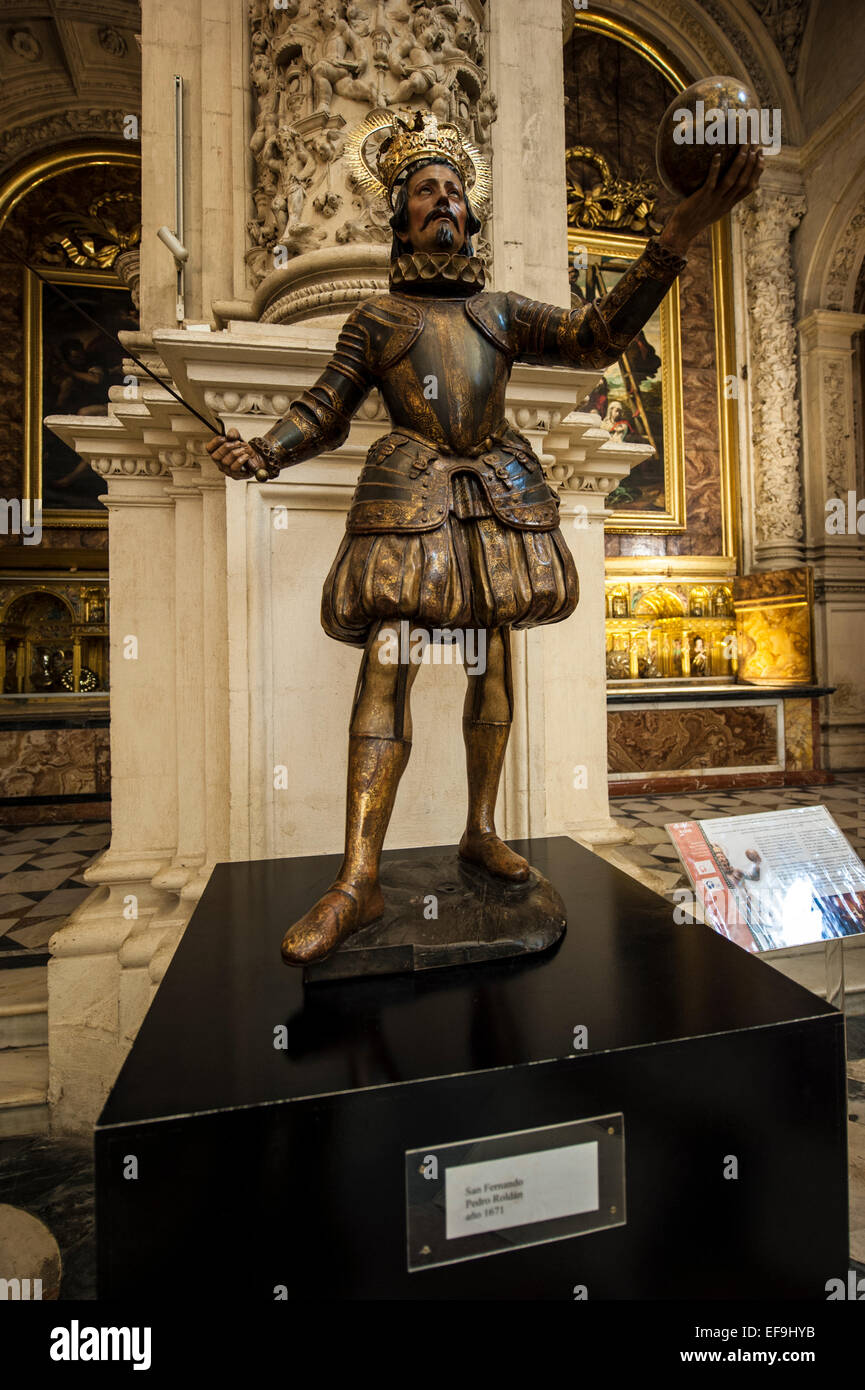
<point>436,209</point>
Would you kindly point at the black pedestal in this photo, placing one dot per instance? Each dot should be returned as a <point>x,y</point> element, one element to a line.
<point>260,1166</point>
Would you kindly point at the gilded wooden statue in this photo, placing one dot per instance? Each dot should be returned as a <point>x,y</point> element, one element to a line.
<point>453,525</point>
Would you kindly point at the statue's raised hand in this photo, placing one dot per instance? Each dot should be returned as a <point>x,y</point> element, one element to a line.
<point>718,196</point>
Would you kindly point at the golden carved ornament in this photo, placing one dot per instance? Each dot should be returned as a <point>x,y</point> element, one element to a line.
<point>94,240</point>
<point>624,204</point>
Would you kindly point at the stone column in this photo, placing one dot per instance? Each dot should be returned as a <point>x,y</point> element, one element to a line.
<point>835,542</point>
<point>585,465</point>
<point>170,44</point>
<point>318,239</point>
<point>91,1017</point>
<point>556,773</point>
<point>768,219</point>
<point>828,447</point>
<point>195,41</point>
<point>530,221</point>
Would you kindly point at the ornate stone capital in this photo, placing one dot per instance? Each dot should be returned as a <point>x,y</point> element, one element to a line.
<point>128,267</point>
<point>769,216</point>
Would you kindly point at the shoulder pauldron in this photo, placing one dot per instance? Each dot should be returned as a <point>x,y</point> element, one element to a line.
<point>490,313</point>
<point>391,325</point>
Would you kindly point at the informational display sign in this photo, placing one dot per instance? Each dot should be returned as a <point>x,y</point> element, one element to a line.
<point>774,880</point>
<point>484,1196</point>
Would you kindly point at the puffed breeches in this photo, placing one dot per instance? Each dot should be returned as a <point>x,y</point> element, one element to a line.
<point>471,573</point>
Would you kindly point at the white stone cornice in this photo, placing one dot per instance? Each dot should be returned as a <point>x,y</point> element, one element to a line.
<point>245,363</point>
<point>248,374</point>
<point>782,174</point>
<point>587,460</point>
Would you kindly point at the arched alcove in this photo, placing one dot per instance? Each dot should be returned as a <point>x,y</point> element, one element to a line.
<point>72,215</point>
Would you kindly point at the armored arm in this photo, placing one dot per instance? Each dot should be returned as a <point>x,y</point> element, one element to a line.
<point>319,419</point>
<point>595,334</point>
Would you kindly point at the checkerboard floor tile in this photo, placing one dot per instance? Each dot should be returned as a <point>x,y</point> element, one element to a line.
<point>41,882</point>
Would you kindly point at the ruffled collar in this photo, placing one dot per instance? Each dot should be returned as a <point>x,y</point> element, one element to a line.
<point>437,273</point>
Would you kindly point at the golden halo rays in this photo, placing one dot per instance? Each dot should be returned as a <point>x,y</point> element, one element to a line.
<point>361,153</point>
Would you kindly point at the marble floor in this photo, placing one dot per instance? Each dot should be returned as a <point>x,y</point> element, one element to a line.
<point>41,882</point>
<point>53,1179</point>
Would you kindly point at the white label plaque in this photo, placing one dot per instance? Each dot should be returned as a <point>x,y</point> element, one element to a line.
<point>482,1196</point>
<point>516,1191</point>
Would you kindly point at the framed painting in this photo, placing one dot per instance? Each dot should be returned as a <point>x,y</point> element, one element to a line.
<point>70,369</point>
<point>639,398</point>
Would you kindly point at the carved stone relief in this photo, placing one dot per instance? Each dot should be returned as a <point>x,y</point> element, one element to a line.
<point>785,20</point>
<point>60,125</point>
<point>25,44</point>
<point>836,391</point>
<point>112,41</point>
<point>768,220</point>
<point>68,69</point>
<point>317,68</point>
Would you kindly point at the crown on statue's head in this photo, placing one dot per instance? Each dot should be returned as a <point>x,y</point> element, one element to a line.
<point>423,138</point>
<point>383,148</point>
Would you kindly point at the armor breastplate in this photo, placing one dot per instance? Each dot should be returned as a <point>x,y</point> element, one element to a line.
<point>450,385</point>
<point>445,395</point>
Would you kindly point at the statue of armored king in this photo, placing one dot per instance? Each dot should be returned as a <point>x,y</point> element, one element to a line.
<point>452,525</point>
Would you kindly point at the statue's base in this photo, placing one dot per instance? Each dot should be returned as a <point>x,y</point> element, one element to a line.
<point>446,912</point>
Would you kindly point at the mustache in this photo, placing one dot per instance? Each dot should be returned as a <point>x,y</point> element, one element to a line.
<point>440,212</point>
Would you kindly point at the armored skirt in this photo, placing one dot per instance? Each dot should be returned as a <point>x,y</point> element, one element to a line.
<point>473,571</point>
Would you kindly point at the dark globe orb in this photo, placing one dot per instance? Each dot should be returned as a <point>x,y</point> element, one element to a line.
<point>688,136</point>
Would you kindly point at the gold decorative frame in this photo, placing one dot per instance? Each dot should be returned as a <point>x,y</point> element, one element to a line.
<point>33,413</point>
<point>725,343</point>
<point>632,38</point>
<point>17,187</point>
<point>673,518</point>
